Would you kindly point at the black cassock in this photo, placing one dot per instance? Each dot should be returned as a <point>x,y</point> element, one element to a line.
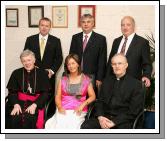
<point>22,87</point>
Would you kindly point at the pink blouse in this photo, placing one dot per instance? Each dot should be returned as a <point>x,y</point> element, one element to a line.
<point>70,102</point>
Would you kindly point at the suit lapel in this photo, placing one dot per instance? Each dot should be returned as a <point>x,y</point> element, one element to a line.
<point>80,41</point>
<point>116,46</point>
<point>37,45</point>
<point>46,46</point>
<point>131,46</point>
<point>90,42</point>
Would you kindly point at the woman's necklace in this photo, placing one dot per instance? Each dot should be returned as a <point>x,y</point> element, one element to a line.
<point>29,89</point>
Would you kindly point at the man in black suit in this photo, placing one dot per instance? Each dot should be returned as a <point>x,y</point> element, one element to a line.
<point>121,99</point>
<point>93,52</point>
<point>136,50</point>
<point>48,52</point>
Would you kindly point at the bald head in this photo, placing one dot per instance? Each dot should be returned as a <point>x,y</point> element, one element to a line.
<point>120,56</point>
<point>127,25</point>
<point>119,64</point>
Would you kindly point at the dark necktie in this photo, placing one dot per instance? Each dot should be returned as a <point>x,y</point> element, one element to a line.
<point>124,46</point>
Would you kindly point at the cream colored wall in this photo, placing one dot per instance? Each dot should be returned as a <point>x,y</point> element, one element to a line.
<point>107,23</point>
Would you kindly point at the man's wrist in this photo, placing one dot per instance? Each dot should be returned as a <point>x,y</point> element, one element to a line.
<point>51,71</point>
<point>99,117</point>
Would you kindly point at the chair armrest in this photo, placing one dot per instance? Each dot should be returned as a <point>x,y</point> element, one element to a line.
<point>137,119</point>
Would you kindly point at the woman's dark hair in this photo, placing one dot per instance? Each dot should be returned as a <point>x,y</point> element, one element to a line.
<point>76,58</point>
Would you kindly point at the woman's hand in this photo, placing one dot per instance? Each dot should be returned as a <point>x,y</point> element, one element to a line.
<point>31,109</point>
<point>62,111</point>
<point>16,110</point>
<point>79,110</point>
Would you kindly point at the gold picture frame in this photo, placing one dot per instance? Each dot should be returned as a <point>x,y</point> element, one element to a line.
<point>59,16</point>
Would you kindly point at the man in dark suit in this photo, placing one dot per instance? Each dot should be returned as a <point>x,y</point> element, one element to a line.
<point>91,48</point>
<point>136,49</point>
<point>47,50</point>
<point>121,99</point>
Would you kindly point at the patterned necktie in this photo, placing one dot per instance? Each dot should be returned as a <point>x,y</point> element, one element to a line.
<point>84,46</point>
<point>124,46</point>
<point>85,42</point>
<point>42,47</point>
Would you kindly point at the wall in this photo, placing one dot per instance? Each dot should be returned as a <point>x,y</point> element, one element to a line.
<point>107,23</point>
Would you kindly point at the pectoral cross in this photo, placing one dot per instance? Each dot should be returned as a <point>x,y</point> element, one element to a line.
<point>29,88</point>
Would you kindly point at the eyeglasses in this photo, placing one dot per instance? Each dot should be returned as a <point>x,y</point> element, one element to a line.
<point>117,64</point>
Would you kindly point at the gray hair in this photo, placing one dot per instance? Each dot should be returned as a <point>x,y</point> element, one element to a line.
<point>120,54</point>
<point>27,52</point>
<point>87,16</point>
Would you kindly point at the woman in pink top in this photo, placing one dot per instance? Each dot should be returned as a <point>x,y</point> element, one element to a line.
<point>74,93</point>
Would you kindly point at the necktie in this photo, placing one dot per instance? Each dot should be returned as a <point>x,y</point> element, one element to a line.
<point>124,46</point>
<point>42,47</point>
<point>85,42</point>
<point>84,45</point>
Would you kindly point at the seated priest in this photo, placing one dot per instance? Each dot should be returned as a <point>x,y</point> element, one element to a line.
<point>28,89</point>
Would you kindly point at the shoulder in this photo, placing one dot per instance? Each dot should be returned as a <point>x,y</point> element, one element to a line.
<point>118,38</point>
<point>98,35</point>
<point>33,36</point>
<point>77,34</point>
<point>133,81</point>
<point>18,71</point>
<point>86,77</point>
<point>64,78</point>
<point>108,79</point>
<point>53,37</point>
<point>140,38</point>
<point>41,72</point>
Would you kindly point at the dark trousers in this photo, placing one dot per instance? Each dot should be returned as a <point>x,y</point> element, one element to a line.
<point>21,121</point>
<point>94,124</point>
<point>51,100</point>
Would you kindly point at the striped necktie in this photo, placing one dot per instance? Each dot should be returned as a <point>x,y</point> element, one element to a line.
<point>124,46</point>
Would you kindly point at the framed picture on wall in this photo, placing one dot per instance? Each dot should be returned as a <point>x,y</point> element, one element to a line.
<point>12,17</point>
<point>86,9</point>
<point>60,16</point>
<point>35,13</point>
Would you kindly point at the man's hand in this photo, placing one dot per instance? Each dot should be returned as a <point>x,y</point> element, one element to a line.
<point>50,73</point>
<point>31,109</point>
<point>105,123</point>
<point>16,110</point>
<point>98,83</point>
<point>146,81</point>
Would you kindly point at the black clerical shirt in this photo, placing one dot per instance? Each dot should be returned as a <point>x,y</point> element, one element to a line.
<point>120,100</point>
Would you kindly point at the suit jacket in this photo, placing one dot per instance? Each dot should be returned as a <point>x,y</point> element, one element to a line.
<point>52,58</point>
<point>138,56</point>
<point>120,100</point>
<point>94,55</point>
